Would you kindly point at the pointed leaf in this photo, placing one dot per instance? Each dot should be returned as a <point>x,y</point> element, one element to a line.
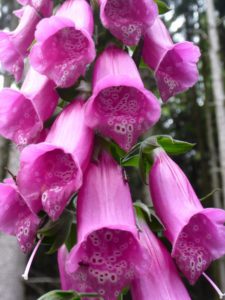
<point>60,295</point>
<point>172,146</point>
<point>162,6</point>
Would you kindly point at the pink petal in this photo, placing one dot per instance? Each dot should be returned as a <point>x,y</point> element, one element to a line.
<point>107,253</point>
<point>65,49</point>
<point>200,242</point>
<point>175,65</point>
<point>178,70</point>
<point>15,217</point>
<point>197,234</point>
<point>128,20</point>
<point>44,7</point>
<point>172,194</point>
<point>120,107</point>
<point>19,120</point>
<point>50,172</point>
<point>14,45</point>
<point>22,113</point>
<point>162,280</point>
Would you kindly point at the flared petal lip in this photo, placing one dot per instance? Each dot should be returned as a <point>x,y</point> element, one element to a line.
<point>196,55</point>
<point>207,238</point>
<point>112,81</point>
<point>54,24</point>
<point>40,150</point>
<point>42,37</point>
<point>71,268</point>
<point>146,22</point>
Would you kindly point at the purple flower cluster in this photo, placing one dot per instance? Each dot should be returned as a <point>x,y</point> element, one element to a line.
<point>111,252</point>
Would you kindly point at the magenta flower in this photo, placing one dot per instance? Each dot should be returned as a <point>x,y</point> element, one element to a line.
<point>162,280</point>
<point>64,44</point>
<point>107,254</point>
<point>175,65</point>
<point>120,107</point>
<point>128,19</point>
<point>50,172</point>
<point>44,7</point>
<point>197,234</point>
<point>66,280</point>
<point>14,45</point>
<point>22,113</point>
<point>15,216</point>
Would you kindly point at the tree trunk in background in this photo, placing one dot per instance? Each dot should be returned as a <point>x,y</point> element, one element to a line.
<point>218,92</point>
<point>217,86</point>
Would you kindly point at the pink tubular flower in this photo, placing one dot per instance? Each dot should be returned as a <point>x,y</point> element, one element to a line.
<point>128,19</point>
<point>162,280</point>
<point>175,65</point>
<point>120,107</point>
<point>64,44</point>
<point>50,172</point>
<point>15,216</point>
<point>44,7</point>
<point>107,253</point>
<point>22,113</point>
<point>197,234</point>
<point>14,45</point>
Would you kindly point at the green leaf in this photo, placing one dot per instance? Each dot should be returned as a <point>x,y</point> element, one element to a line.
<point>142,210</point>
<point>56,233</point>
<point>137,54</point>
<point>132,161</point>
<point>72,238</point>
<point>162,6</point>
<point>116,152</point>
<point>67,295</point>
<point>148,214</point>
<point>172,146</point>
<point>60,295</point>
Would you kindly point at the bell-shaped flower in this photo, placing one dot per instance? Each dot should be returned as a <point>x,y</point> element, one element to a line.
<point>107,254</point>
<point>43,7</point>
<point>175,65</point>
<point>15,216</point>
<point>120,107</point>
<point>50,172</point>
<point>14,45</point>
<point>64,43</point>
<point>23,112</point>
<point>197,234</point>
<point>162,280</point>
<point>127,20</point>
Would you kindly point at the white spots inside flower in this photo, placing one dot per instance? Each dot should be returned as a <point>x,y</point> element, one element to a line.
<point>68,61</point>
<point>108,268</point>
<point>123,22</point>
<point>191,252</point>
<point>116,294</point>
<point>195,228</point>
<point>25,233</point>
<point>209,236</point>
<point>53,174</point>
<point>101,292</point>
<point>170,82</point>
<point>44,197</point>
<point>123,114</point>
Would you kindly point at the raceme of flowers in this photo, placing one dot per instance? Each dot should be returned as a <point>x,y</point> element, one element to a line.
<point>114,250</point>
